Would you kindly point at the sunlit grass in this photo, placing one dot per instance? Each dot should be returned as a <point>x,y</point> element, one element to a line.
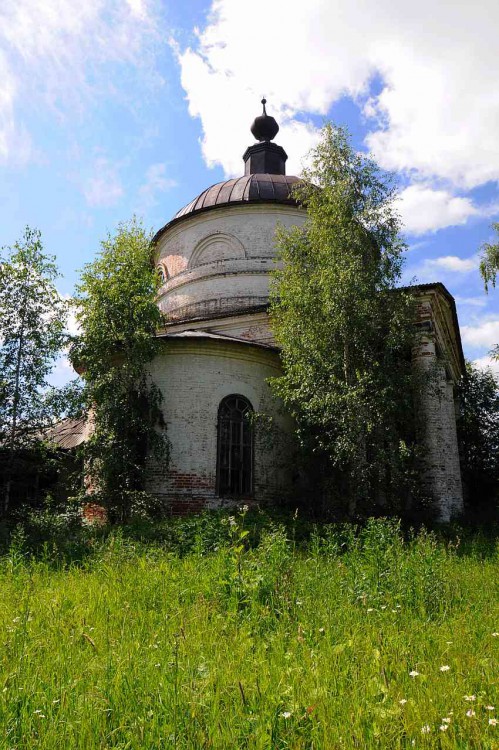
<point>348,641</point>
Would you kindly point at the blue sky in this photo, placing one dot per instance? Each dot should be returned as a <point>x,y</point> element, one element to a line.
<point>135,106</point>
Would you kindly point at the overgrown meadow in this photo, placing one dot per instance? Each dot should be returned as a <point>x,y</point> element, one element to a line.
<point>236,632</point>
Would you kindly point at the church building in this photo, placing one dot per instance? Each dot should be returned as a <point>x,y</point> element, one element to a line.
<point>215,257</point>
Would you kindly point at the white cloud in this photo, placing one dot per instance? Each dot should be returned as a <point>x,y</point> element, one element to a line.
<point>62,53</point>
<point>424,209</point>
<point>487,363</point>
<point>437,114</point>
<point>138,8</point>
<point>104,188</point>
<point>472,301</point>
<point>485,334</point>
<point>429,270</point>
<point>73,327</point>
<point>227,108</point>
<point>62,373</point>
<point>156,182</point>
<point>454,264</point>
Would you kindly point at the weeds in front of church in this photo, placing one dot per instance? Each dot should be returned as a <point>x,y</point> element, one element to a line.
<point>228,634</point>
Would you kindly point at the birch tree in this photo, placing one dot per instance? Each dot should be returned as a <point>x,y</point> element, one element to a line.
<point>345,332</point>
<point>119,317</point>
<point>32,334</point>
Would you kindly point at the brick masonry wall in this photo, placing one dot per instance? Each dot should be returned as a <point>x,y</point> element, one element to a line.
<point>194,376</point>
<point>220,260</point>
<point>218,263</point>
<point>437,430</point>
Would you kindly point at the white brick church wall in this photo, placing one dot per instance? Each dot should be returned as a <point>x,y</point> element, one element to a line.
<point>220,259</point>
<point>194,376</point>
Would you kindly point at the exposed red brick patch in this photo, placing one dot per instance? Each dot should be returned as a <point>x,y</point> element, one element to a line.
<point>95,514</point>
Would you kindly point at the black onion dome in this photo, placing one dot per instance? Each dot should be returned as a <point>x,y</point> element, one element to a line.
<point>264,127</point>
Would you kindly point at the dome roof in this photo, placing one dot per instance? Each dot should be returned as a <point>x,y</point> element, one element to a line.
<point>252,188</point>
<point>264,181</point>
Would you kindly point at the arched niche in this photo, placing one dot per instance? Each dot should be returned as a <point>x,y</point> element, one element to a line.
<point>216,247</point>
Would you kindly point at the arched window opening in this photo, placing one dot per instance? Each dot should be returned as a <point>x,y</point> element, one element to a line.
<point>235,447</point>
<point>162,273</point>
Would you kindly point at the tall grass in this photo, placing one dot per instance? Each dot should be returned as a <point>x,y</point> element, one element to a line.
<point>205,641</point>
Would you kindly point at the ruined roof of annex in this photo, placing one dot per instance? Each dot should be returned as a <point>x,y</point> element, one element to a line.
<point>68,433</point>
<point>194,334</point>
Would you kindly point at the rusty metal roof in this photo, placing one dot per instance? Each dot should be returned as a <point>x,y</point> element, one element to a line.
<point>69,433</point>
<point>248,189</point>
<point>197,334</point>
<point>251,188</point>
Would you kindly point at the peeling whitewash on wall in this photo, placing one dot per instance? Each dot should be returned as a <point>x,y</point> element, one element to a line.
<point>194,378</point>
<point>216,266</point>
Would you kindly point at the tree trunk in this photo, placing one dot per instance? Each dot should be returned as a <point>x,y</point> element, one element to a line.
<point>13,430</point>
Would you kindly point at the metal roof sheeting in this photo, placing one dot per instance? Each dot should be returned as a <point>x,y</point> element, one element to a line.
<point>69,433</point>
<point>248,189</point>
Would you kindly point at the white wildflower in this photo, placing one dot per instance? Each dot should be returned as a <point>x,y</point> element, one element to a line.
<point>470,697</point>
<point>413,673</point>
<point>286,714</point>
<point>370,609</point>
<point>444,668</point>
<point>470,712</point>
<point>493,722</point>
<point>446,720</point>
<point>444,727</point>
<point>489,708</point>
<point>494,635</point>
<point>426,729</point>
<point>403,701</point>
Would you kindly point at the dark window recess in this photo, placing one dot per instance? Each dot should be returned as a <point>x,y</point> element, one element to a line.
<point>235,447</point>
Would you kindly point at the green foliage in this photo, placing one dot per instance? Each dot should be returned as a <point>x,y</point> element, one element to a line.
<point>489,268</point>
<point>339,643</point>
<point>345,333</point>
<point>248,577</point>
<point>119,317</point>
<point>33,320</point>
<point>489,261</point>
<point>478,430</point>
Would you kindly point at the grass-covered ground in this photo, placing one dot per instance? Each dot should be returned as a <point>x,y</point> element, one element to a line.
<point>199,639</point>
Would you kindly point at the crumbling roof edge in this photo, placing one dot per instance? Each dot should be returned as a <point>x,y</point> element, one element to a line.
<point>194,334</point>
<point>437,286</point>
